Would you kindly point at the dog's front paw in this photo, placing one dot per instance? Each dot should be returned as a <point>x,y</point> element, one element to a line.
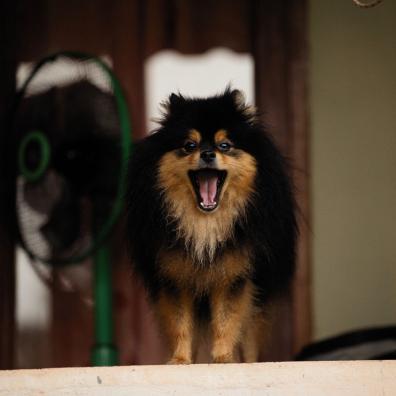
<point>226,358</point>
<point>179,360</point>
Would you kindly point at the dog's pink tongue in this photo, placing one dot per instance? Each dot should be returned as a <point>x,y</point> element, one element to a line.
<point>208,189</point>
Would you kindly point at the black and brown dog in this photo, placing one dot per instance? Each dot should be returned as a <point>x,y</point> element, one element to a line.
<point>211,224</point>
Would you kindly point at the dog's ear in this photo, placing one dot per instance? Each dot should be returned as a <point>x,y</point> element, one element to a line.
<point>175,100</point>
<point>172,106</point>
<point>238,98</point>
<point>249,111</point>
<point>175,103</point>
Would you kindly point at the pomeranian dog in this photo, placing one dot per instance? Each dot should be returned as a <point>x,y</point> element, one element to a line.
<point>211,225</point>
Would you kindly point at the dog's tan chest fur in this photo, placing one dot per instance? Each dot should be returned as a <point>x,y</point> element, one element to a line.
<point>221,273</point>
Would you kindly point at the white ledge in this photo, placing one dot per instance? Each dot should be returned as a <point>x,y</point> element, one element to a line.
<point>287,378</point>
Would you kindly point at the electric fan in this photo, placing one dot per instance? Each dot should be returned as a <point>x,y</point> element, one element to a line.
<point>73,141</point>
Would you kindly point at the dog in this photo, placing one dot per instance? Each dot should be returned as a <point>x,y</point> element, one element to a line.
<point>211,224</point>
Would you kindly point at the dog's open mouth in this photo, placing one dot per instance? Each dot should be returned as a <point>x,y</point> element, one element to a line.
<point>207,185</point>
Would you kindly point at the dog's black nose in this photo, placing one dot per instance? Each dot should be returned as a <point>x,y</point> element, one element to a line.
<point>208,156</point>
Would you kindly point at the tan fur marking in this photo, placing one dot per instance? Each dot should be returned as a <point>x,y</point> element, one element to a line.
<point>176,318</point>
<point>221,136</point>
<point>203,231</point>
<point>187,275</point>
<point>229,317</point>
<point>194,135</point>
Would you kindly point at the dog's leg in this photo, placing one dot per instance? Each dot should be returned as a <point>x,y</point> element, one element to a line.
<point>176,318</point>
<point>231,309</point>
<point>196,342</point>
<point>250,347</point>
<point>257,334</point>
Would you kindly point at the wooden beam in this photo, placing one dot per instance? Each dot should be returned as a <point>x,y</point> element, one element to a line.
<point>281,58</point>
<point>7,235</point>
<point>361,378</point>
<point>299,151</point>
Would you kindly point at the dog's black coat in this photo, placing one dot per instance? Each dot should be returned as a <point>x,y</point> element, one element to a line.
<point>270,222</point>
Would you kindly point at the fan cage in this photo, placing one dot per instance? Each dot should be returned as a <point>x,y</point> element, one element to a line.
<point>125,149</point>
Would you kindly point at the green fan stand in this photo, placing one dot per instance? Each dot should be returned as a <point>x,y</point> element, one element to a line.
<point>104,352</point>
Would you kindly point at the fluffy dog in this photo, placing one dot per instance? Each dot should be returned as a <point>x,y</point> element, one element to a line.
<point>211,224</point>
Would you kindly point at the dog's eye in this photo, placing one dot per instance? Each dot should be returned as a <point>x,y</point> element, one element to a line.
<point>190,146</point>
<point>224,146</point>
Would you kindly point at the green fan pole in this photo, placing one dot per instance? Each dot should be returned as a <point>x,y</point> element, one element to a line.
<point>104,352</point>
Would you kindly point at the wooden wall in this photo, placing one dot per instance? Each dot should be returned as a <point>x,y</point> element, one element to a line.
<point>129,32</point>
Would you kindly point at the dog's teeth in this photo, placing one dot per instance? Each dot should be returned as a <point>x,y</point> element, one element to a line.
<point>208,206</point>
